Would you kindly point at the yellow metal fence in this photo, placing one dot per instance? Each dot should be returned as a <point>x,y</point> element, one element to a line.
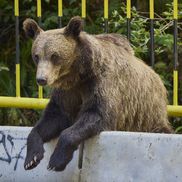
<point>40,102</point>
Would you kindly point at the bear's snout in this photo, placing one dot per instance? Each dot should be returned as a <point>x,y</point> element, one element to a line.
<point>42,81</point>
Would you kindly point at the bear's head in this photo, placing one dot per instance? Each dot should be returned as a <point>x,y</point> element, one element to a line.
<point>55,52</point>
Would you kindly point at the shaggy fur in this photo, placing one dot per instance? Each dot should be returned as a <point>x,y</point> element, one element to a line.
<point>98,85</point>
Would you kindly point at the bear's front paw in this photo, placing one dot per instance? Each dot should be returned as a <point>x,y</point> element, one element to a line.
<point>33,158</point>
<point>59,160</point>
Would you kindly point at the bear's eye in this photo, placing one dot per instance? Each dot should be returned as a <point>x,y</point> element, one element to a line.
<point>55,57</point>
<point>36,59</point>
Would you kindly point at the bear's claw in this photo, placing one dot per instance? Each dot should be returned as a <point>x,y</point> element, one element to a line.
<point>58,161</point>
<point>30,164</point>
<point>50,168</point>
<point>35,158</point>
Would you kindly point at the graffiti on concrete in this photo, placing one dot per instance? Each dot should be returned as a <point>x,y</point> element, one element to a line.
<point>11,149</point>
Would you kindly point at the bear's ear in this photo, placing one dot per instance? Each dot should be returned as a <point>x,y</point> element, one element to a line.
<point>74,27</point>
<point>31,28</point>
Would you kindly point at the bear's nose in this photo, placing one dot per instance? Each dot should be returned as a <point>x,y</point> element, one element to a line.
<point>42,81</point>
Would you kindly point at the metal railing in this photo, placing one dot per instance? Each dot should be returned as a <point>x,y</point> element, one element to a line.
<point>40,102</point>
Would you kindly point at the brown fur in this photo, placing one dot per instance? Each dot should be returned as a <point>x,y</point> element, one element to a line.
<point>134,92</point>
<point>98,85</point>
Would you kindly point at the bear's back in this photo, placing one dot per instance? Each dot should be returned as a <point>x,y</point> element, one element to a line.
<point>117,40</point>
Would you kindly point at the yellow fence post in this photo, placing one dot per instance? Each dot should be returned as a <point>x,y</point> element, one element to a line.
<point>128,17</point>
<point>39,14</point>
<point>17,79</point>
<point>16,10</point>
<point>151,9</point>
<point>175,53</point>
<point>83,9</point>
<point>128,9</point>
<point>60,12</point>
<point>152,56</point>
<point>106,14</point>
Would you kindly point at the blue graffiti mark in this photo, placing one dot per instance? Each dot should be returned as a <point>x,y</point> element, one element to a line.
<point>10,139</point>
<point>9,157</point>
<point>3,141</point>
<point>19,157</point>
<point>1,175</point>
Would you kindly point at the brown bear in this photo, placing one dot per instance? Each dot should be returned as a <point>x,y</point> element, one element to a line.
<point>99,85</point>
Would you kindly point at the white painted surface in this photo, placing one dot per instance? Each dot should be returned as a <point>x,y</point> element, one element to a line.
<point>133,157</point>
<point>12,142</point>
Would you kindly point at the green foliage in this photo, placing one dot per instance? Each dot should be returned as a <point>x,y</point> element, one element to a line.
<point>140,39</point>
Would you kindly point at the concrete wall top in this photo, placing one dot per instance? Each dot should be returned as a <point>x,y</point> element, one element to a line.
<point>133,157</point>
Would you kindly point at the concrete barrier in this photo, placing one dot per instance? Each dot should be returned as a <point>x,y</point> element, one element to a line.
<point>133,157</point>
<point>12,155</point>
<point>109,157</point>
